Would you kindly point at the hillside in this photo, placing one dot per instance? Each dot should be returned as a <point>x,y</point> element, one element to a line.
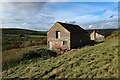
<point>98,61</point>
<point>115,34</point>
<point>13,38</point>
<point>21,31</point>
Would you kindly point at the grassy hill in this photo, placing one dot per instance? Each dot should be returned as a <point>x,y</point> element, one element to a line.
<point>21,31</point>
<point>115,34</point>
<point>98,61</point>
<point>11,38</point>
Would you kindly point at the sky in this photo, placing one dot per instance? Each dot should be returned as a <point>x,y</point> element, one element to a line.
<point>42,15</point>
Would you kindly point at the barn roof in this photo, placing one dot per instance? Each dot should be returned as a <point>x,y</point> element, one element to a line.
<point>73,28</point>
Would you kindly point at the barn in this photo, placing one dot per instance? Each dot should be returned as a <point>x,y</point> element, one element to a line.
<point>95,35</point>
<point>100,34</point>
<point>66,36</point>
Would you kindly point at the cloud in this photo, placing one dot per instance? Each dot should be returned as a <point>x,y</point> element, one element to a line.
<point>31,15</point>
<point>111,13</point>
<point>22,7</point>
<point>108,22</point>
<point>90,26</point>
<point>84,12</point>
<point>104,24</point>
<point>60,0</point>
<point>42,15</point>
<point>86,18</point>
<point>36,0</point>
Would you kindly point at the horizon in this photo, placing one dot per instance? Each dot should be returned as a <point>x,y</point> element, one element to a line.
<point>48,30</point>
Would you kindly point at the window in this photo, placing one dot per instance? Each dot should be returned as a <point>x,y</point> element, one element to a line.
<point>57,34</point>
<point>64,42</point>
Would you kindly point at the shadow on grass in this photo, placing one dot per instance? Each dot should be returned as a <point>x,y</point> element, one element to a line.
<point>92,42</point>
<point>89,43</point>
<point>99,42</point>
<point>42,54</point>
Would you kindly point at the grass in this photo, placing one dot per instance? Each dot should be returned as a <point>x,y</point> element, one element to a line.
<point>12,39</point>
<point>15,55</point>
<point>15,41</point>
<point>98,61</point>
<point>14,31</point>
<point>14,46</point>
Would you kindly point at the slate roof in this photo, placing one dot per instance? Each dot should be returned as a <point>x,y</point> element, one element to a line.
<point>73,28</point>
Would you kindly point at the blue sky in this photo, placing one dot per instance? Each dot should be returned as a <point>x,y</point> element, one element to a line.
<point>42,15</point>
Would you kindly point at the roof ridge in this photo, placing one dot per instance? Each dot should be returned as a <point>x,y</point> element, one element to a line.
<point>67,23</point>
<point>73,28</point>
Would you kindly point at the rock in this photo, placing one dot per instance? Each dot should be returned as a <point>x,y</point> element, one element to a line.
<point>4,73</point>
<point>58,62</point>
<point>10,71</point>
<point>27,69</point>
<point>16,68</point>
<point>33,70</point>
<point>30,61</point>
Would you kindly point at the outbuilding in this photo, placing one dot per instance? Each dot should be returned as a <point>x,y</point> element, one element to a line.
<point>66,36</point>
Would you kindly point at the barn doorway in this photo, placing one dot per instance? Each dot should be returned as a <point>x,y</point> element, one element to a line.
<point>50,45</point>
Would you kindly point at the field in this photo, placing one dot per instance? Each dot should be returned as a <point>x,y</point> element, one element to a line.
<point>21,38</point>
<point>99,61</point>
<point>17,42</point>
<point>14,41</point>
<point>12,56</point>
<point>21,31</point>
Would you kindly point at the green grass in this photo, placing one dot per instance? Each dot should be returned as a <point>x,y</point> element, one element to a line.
<point>10,41</point>
<point>98,61</point>
<point>11,38</point>
<point>13,56</point>
<point>14,46</point>
<point>21,31</point>
<point>37,37</point>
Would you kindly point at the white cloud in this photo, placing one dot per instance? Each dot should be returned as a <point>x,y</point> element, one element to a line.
<point>22,7</point>
<point>59,0</point>
<point>30,15</point>
<point>108,22</point>
<point>24,23</point>
<point>90,26</point>
<point>86,18</point>
<point>35,0</point>
<point>109,13</point>
<point>38,16</point>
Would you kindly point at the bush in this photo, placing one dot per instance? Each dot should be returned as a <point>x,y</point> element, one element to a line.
<point>41,53</point>
<point>44,42</point>
<point>91,42</point>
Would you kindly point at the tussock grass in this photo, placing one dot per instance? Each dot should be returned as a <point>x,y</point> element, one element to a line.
<point>98,61</point>
<point>14,55</point>
<point>16,41</point>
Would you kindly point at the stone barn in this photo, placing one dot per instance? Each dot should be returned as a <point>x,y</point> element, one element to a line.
<point>95,35</point>
<point>66,36</point>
